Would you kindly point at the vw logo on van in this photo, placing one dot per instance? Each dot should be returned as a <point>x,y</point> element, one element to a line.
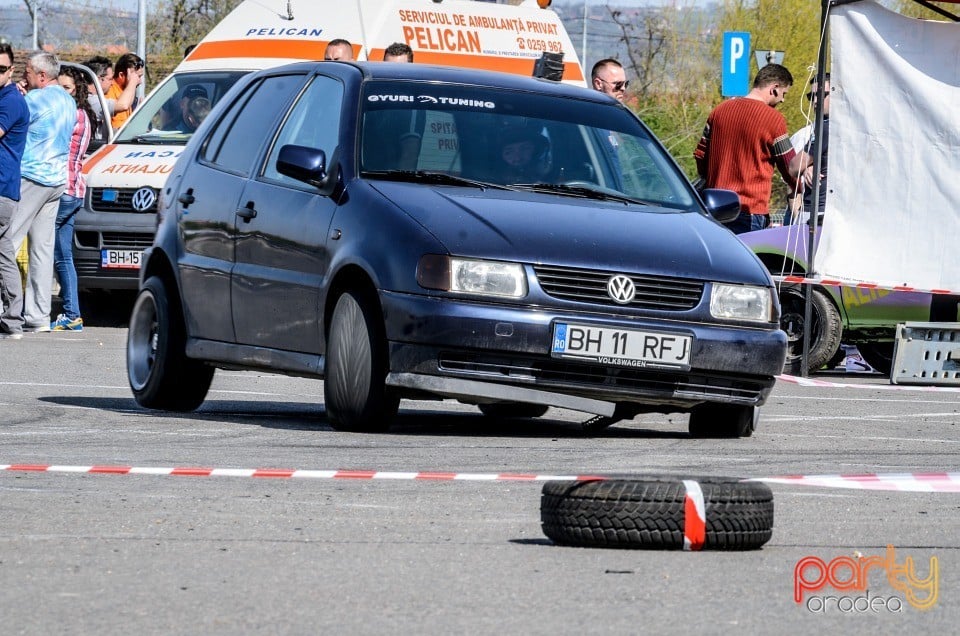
<point>621,289</point>
<point>143,199</point>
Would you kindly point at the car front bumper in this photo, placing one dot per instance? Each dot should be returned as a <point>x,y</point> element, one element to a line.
<point>432,339</point>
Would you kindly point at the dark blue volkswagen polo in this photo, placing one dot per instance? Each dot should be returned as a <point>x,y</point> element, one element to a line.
<point>405,231</point>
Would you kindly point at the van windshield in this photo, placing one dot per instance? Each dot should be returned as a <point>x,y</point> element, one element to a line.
<point>176,108</point>
<point>512,139</point>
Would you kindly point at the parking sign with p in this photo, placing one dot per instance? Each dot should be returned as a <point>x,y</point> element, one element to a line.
<point>736,64</point>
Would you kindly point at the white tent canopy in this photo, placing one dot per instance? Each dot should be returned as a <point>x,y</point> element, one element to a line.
<point>892,214</point>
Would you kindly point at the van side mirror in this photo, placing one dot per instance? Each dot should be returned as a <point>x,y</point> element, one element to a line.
<point>308,165</point>
<point>723,205</point>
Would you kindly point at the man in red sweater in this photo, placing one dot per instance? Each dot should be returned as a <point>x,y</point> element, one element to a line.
<point>743,140</point>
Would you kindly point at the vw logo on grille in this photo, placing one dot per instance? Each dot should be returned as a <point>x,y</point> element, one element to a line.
<point>143,199</point>
<point>621,289</point>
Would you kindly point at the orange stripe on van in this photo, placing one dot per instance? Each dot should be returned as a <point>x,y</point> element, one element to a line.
<point>91,162</point>
<point>522,66</point>
<point>291,49</point>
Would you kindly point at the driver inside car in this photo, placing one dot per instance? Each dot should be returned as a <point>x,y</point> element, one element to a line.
<point>524,154</point>
<point>187,115</point>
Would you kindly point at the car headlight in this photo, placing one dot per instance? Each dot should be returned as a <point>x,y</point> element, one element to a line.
<point>741,302</point>
<point>472,276</point>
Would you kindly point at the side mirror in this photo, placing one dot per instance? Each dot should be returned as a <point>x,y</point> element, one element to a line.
<point>723,205</point>
<point>308,165</point>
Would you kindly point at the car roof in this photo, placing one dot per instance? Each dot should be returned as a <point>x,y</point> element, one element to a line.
<point>455,75</point>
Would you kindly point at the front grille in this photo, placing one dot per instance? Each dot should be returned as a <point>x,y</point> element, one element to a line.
<point>590,286</point>
<point>121,200</point>
<point>593,377</point>
<point>126,240</point>
<point>87,269</point>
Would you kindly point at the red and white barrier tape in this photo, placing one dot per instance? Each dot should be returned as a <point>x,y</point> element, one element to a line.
<point>817,280</point>
<point>694,517</point>
<point>283,473</point>
<point>903,482</point>
<point>792,379</point>
<point>908,482</point>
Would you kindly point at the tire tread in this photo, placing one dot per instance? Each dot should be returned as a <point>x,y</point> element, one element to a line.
<point>650,514</point>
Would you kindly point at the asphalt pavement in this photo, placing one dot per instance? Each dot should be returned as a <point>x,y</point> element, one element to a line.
<point>84,552</point>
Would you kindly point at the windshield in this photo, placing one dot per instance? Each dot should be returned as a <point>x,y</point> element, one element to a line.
<point>173,111</point>
<point>523,140</point>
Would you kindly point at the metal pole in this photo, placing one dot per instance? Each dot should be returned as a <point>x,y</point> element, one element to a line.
<point>141,39</point>
<point>815,211</point>
<point>36,24</point>
<point>583,45</point>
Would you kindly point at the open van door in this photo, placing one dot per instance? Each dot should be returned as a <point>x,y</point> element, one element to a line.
<point>102,132</point>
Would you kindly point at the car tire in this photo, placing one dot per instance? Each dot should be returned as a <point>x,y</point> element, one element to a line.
<point>160,374</point>
<point>878,355</point>
<point>355,394</point>
<point>651,514</point>
<point>723,421</point>
<point>825,333</point>
<point>511,410</point>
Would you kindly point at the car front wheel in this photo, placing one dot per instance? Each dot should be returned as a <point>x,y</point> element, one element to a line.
<point>355,393</point>
<point>160,374</point>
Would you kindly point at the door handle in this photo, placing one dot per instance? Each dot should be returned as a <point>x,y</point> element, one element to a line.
<point>187,197</point>
<point>247,212</point>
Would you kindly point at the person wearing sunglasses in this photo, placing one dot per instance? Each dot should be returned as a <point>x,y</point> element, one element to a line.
<point>14,120</point>
<point>103,69</point>
<point>609,77</point>
<point>800,203</point>
<point>122,96</point>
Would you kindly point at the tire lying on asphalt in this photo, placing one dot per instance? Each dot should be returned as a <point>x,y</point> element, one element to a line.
<point>710,513</point>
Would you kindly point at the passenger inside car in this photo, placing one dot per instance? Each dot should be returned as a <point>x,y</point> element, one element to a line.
<point>393,139</point>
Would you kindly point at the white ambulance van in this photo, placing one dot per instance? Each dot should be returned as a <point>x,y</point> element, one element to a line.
<point>124,177</point>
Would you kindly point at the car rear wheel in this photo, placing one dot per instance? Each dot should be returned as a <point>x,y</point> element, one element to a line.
<point>355,394</point>
<point>158,369</point>
<point>878,355</point>
<point>513,409</point>
<point>723,420</point>
<point>826,328</point>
